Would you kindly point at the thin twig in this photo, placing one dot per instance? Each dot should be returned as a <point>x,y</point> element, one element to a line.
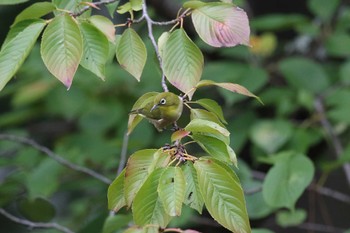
<point>123,153</point>
<point>338,148</point>
<point>58,158</point>
<point>154,43</point>
<point>86,8</point>
<point>31,224</point>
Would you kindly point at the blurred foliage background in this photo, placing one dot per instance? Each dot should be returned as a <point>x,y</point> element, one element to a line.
<point>299,64</point>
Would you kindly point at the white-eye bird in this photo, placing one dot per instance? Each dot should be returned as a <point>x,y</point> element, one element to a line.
<point>162,110</point>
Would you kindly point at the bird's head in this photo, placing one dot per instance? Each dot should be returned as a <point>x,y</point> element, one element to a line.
<point>166,100</point>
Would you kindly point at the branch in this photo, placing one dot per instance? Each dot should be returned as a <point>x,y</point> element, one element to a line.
<point>122,160</point>
<point>34,224</point>
<point>338,148</point>
<point>58,158</point>
<point>150,35</point>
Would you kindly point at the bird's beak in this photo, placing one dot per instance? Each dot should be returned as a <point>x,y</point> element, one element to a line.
<point>154,107</point>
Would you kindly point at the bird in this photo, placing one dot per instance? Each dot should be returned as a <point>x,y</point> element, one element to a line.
<point>162,110</point>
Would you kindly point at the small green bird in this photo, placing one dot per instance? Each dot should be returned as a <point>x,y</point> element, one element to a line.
<point>162,110</point>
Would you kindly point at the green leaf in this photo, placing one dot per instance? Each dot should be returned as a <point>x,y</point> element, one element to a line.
<point>147,207</point>
<point>37,210</point>
<point>287,180</point>
<point>115,194</point>
<point>111,7</point>
<point>323,8</point>
<point>208,128</point>
<point>132,53</point>
<point>193,197</point>
<point>96,48</point>
<point>105,25</point>
<point>271,135</point>
<point>138,168</point>
<point>171,189</point>
<point>35,11</point>
<point>221,24</point>
<point>275,22</point>
<point>183,61</point>
<point>124,8</point>
<point>114,223</point>
<point>205,115</point>
<point>338,44</point>
<point>134,119</point>
<point>193,4</point>
<point>162,42</point>
<point>294,69</point>
<point>212,106</point>
<point>61,48</point>
<point>136,5</point>
<point>221,188</point>
<point>12,2</point>
<point>16,50</point>
<point>217,148</point>
<point>286,218</point>
<point>344,71</point>
<point>236,88</point>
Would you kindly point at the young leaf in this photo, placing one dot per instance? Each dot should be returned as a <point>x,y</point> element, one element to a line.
<point>171,190</point>
<point>221,24</point>
<point>132,53</point>
<point>287,180</point>
<point>104,25</point>
<point>179,134</point>
<point>147,207</point>
<point>115,193</point>
<point>35,11</point>
<point>193,197</point>
<point>136,5</point>
<point>205,115</point>
<point>96,49</point>
<point>183,61</point>
<point>212,106</point>
<point>209,128</point>
<point>134,119</point>
<point>15,51</point>
<point>228,86</point>
<point>216,148</point>
<point>223,195</point>
<point>61,48</point>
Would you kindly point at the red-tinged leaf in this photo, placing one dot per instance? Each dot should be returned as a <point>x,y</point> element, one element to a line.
<point>179,134</point>
<point>221,24</point>
<point>183,61</point>
<point>90,4</point>
<point>229,86</point>
<point>104,25</point>
<point>61,48</point>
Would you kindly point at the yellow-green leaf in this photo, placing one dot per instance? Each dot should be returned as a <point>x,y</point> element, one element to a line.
<point>131,53</point>
<point>105,25</point>
<point>115,193</point>
<point>171,190</point>
<point>35,11</point>
<point>16,50</point>
<point>96,49</point>
<point>223,195</point>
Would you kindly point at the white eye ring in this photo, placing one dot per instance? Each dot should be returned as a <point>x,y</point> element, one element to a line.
<point>162,101</point>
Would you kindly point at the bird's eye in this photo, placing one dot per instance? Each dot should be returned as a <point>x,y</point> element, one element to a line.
<point>162,101</point>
